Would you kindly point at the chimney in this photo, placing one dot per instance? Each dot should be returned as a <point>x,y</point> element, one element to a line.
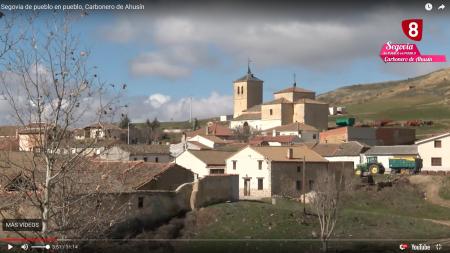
<point>207,130</point>
<point>290,152</point>
<point>274,133</point>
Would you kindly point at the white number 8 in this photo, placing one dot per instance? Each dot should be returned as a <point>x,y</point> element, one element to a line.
<point>413,32</point>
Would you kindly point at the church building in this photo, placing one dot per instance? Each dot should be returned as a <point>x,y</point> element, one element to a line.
<point>289,105</point>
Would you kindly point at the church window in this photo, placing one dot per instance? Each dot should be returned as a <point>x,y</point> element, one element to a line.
<point>238,90</point>
<point>242,90</point>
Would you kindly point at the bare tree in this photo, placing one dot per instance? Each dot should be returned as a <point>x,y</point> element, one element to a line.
<point>52,89</point>
<point>325,203</point>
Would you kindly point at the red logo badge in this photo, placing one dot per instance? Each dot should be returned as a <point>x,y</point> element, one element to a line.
<point>403,246</point>
<point>413,28</point>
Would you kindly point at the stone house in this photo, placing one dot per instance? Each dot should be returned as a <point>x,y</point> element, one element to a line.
<point>147,153</point>
<point>203,162</point>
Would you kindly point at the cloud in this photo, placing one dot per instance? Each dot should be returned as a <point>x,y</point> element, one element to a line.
<point>157,64</point>
<point>166,109</point>
<point>157,99</point>
<point>189,40</point>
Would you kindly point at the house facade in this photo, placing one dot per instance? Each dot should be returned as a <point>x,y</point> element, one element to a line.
<point>203,162</point>
<point>435,152</point>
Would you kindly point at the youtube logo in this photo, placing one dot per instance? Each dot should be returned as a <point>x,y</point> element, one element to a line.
<point>403,246</point>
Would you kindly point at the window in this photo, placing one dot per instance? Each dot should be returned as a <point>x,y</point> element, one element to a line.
<point>238,90</point>
<point>242,90</point>
<point>216,171</point>
<point>438,144</point>
<point>299,169</point>
<point>234,165</point>
<point>145,159</point>
<point>156,159</point>
<point>298,185</point>
<point>311,185</point>
<point>260,164</point>
<point>270,111</point>
<point>260,183</point>
<point>140,202</point>
<point>135,159</point>
<point>314,136</point>
<point>436,161</point>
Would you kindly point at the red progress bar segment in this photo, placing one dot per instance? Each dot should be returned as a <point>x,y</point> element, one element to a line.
<point>47,239</point>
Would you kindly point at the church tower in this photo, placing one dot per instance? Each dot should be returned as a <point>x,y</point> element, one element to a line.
<point>247,92</point>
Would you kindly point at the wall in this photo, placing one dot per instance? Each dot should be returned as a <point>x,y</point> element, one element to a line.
<point>395,136</point>
<point>345,134</point>
<point>299,113</point>
<point>256,124</point>
<point>427,151</point>
<point>215,189</point>
<point>287,111</point>
<point>247,167</point>
<point>276,112</point>
<point>162,158</point>
<point>294,96</point>
<point>115,154</point>
<point>316,115</point>
<point>354,159</point>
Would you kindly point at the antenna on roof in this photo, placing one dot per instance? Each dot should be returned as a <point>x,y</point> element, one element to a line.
<point>248,66</point>
<point>295,81</point>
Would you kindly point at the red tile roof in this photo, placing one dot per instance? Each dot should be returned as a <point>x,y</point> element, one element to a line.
<point>213,129</point>
<point>295,90</point>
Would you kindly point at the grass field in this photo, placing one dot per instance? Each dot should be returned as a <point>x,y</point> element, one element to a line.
<point>444,192</point>
<point>397,212</point>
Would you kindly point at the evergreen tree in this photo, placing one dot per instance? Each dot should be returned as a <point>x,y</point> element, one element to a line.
<point>124,122</point>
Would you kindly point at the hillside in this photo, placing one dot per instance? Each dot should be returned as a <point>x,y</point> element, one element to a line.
<point>424,98</point>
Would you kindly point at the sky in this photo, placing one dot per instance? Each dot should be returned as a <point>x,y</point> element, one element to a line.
<point>172,51</point>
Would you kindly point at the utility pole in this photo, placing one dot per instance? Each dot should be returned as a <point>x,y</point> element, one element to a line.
<point>190,109</point>
<point>303,185</point>
<point>128,138</point>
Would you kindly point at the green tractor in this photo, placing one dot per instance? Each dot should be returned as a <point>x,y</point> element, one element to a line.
<point>371,167</point>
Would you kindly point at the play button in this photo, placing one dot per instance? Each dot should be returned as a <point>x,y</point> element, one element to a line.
<point>10,246</point>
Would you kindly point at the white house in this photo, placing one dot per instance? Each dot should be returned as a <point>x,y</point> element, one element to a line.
<point>304,132</point>
<point>209,141</point>
<point>268,171</point>
<point>435,152</point>
<point>384,153</point>
<point>203,162</point>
